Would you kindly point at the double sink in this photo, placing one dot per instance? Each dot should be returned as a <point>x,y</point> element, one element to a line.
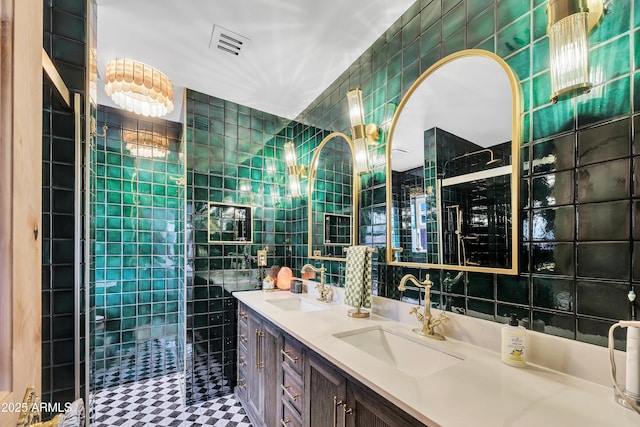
<point>396,349</point>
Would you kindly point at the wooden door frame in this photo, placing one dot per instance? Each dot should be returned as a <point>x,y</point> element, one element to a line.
<point>20,201</point>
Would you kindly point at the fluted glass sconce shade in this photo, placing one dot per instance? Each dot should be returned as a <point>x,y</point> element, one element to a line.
<point>569,23</point>
<point>138,87</point>
<point>362,136</point>
<point>295,172</point>
<point>290,154</point>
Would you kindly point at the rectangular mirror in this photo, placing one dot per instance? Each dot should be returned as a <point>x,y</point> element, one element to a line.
<point>229,223</point>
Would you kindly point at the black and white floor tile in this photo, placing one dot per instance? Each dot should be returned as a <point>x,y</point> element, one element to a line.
<point>158,402</point>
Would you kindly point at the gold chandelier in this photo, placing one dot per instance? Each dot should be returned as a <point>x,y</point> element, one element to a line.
<point>138,87</point>
<point>144,143</point>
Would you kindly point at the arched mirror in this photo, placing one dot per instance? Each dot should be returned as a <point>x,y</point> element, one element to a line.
<point>333,198</point>
<point>453,162</point>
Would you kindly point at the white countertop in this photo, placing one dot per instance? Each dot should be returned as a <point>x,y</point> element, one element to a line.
<point>480,391</point>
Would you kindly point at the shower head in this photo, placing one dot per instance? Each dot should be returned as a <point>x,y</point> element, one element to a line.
<point>492,160</point>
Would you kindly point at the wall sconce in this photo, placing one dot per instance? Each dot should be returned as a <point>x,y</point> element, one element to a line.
<point>363,136</point>
<point>568,25</point>
<point>295,172</point>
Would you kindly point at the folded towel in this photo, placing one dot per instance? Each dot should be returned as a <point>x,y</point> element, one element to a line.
<point>74,415</point>
<point>357,292</point>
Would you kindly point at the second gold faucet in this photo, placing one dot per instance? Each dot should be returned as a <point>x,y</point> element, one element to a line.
<point>429,323</point>
<point>326,293</point>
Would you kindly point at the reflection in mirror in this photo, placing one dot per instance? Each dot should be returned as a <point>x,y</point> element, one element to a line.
<point>229,223</point>
<point>332,195</point>
<point>453,149</point>
<point>337,229</point>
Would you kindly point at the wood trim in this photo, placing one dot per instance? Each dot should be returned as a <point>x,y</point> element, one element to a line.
<point>21,192</point>
<point>56,78</point>
<point>6,194</point>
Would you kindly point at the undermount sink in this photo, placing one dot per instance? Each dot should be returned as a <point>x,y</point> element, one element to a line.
<point>408,354</point>
<point>296,304</point>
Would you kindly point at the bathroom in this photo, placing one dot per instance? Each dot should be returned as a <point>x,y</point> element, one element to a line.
<point>152,310</point>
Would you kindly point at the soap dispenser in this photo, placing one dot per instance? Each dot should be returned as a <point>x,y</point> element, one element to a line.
<point>514,343</point>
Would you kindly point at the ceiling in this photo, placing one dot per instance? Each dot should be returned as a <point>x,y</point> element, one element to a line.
<point>295,48</point>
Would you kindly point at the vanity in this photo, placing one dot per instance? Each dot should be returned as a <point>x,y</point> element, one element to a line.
<point>305,363</point>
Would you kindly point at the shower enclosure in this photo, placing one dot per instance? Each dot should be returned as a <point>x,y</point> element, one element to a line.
<point>137,229</point>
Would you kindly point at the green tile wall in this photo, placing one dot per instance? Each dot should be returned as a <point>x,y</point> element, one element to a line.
<point>234,156</point>
<point>139,255</point>
<point>566,280</point>
<point>64,39</point>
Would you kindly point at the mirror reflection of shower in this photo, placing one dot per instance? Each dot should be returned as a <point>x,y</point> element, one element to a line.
<point>474,190</point>
<point>478,164</point>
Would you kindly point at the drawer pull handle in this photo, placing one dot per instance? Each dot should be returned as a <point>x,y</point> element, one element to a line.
<point>241,383</point>
<point>287,354</point>
<point>336,403</point>
<point>286,388</point>
<point>242,361</point>
<point>243,339</point>
<point>243,314</point>
<point>259,337</point>
<point>284,423</point>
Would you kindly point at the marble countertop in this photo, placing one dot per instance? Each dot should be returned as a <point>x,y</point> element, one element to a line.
<point>479,391</point>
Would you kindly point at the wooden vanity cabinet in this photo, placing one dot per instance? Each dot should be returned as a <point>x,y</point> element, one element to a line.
<point>259,344</point>
<point>335,400</point>
<point>282,383</point>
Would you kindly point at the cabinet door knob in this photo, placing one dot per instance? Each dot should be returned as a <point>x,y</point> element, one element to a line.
<point>284,423</point>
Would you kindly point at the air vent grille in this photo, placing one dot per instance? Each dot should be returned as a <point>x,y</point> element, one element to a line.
<point>224,40</point>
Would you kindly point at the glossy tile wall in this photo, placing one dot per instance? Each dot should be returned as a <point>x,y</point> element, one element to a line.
<point>579,249</point>
<point>64,39</point>
<point>138,330</point>
<point>235,157</point>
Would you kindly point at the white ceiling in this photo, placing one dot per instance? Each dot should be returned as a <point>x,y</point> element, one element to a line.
<point>296,48</point>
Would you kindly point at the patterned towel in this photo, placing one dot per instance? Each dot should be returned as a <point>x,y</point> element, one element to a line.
<point>357,292</point>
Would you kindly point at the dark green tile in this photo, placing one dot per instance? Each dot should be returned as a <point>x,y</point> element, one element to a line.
<point>608,142</point>
<point>604,181</point>
<point>615,21</point>
<point>554,293</point>
<point>481,28</point>
<point>610,260</point>
<point>514,37</point>
<point>511,10</point>
<point>600,299</point>
<point>615,102</point>
<point>554,154</point>
<point>453,21</point>
<point>513,289</point>
<point>556,224</point>
<point>604,221</point>
<point>552,119</point>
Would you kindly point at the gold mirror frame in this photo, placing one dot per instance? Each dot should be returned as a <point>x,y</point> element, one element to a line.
<point>310,185</point>
<point>515,162</point>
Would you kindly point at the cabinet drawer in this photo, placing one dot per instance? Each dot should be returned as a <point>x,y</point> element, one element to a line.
<point>243,335</point>
<point>292,356</point>
<point>242,382</point>
<point>243,315</point>
<point>292,389</point>
<point>290,417</point>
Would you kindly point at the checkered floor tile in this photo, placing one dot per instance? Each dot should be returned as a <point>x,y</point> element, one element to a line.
<point>158,402</point>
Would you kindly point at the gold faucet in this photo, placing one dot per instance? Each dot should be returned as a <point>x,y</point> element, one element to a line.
<point>326,293</point>
<point>427,320</point>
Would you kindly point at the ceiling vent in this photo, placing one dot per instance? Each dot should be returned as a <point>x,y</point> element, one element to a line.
<point>227,41</point>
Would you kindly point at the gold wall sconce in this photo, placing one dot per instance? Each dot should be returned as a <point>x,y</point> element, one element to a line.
<point>568,25</point>
<point>138,87</point>
<point>294,170</point>
<point>363,136</point>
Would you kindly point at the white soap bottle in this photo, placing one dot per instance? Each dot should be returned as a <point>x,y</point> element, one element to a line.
<point>514,339</point>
